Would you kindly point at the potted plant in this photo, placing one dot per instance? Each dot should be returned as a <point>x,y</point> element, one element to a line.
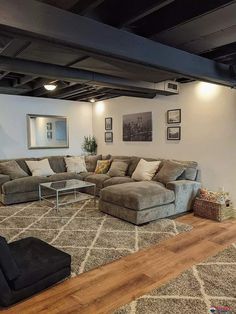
<point>89,145</point>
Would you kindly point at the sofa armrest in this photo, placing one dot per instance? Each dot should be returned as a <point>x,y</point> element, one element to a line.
<point>3,179</point>
<point>185,192</point>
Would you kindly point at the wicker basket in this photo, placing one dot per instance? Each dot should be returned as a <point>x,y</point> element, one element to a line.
<point>214,211</point>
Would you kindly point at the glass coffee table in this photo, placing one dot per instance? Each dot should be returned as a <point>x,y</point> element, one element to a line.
<point>63,188</point>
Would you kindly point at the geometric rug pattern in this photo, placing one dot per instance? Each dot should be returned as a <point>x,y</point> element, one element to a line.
<point>91,237</point>
<point>208,285</point>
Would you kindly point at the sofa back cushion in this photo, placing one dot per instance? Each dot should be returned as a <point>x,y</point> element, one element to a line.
<point>118,168</point>
<point>91,162</point>
<point>170,171</point>
<point>12,169</point>
<point>7,262</point>
<point>190,172</point>
<point>57,163</point>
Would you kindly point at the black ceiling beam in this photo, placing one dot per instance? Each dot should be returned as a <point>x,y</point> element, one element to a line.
<point>97,38</point>
<point>58,72</point>
<point>139,12</point>
<point>82,7</point>
<point>174,14</point>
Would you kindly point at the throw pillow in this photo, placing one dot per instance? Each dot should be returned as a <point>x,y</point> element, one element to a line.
<point>75,164</point>
<point>170,171</point>
<point>40,167</point>
<point>91,162</point>
<point>12,169</point>
<point>118,168</point>
<point>145,170</point>
<point>102,166</point>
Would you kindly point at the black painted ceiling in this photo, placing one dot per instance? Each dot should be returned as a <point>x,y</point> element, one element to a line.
<point>202,27</point>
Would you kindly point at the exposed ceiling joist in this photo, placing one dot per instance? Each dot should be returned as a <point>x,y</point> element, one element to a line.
<point>59,26</point>
<point>140,12</point>
<point>84,6</point>
<point>52,71</point>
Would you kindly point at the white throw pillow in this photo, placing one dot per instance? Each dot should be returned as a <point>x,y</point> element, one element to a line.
<point>75,164</point>
<point>40,167</point>
<point>145,170</point>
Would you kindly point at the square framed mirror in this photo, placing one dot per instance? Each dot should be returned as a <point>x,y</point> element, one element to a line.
<point>47,131</point>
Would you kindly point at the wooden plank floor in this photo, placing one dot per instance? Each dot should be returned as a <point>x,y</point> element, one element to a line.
<point>106,288</point>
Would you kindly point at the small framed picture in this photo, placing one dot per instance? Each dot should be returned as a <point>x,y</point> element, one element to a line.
<point>108,123</point>
<point>49,126</point>
<point>108,137</point>
<point>49,135</point>
<point>174,133</point>
<point>174,116</point>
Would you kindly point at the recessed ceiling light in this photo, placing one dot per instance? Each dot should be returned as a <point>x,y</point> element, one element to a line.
<point>50,87</point>
<point>92,100</point>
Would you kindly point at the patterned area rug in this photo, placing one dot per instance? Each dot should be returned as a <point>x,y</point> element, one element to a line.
<point>210,284</point>
<point>91,237</point>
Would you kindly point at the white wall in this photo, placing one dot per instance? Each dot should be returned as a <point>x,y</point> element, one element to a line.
<point>208,130</point>
<point>13,128</point>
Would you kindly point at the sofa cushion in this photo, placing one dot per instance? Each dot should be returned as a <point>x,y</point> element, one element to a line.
<point>38,261</point>
<point>102,166</point>
<point>190,171</point>
<point>91,162</point>
<point>145,170</point>
<point>64,176</point>
<point>12,169</point>
<point>117,180</point>
<point>98,179</point>
<point>57,163</point>
<point>83,175</point>
<point>7,262</point>
<point>137,195</point>
<point>169,172</point>
<point>40,167</point>
<point>22,185</point>
<point>118,168</point>
<point>75,164</point>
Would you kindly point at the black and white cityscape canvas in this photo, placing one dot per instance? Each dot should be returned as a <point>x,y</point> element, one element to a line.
<point>137,127</point>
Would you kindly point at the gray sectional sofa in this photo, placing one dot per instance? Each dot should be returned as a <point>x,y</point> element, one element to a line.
<point>122,197</point>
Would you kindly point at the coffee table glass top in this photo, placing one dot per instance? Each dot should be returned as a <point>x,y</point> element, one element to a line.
<point>67,185</point>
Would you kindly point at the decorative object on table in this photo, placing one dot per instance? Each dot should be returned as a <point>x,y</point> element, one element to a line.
<point>174,133</point>
<point>137,127</point>
<point>90,145</point>
<point>47,131</point>
<point>213,205</point>
<point>174,116</point>
<point>108,137</point>
<point>108,123</point>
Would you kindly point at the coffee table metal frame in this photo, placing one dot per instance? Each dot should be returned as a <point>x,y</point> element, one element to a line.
<point>59,189</point>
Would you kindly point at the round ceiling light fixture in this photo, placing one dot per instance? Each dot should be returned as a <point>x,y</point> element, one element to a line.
<point>93,100</point>
<point>50,87</point>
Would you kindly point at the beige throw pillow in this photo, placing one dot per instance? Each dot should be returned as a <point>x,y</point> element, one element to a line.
<point>40,168</point>
<point>118,168</point>
<point>169,172</point>
<point>75,164</point>
<point>12,169</point>
<point>145,170</point>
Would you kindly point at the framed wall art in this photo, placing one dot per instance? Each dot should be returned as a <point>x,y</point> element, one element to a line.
<point>108,137</point>
<point>174,116</point>
<point>108,123</point>
<point>174,133</point>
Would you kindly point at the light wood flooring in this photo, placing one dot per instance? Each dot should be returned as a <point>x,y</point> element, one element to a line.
<point>106,288</point>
